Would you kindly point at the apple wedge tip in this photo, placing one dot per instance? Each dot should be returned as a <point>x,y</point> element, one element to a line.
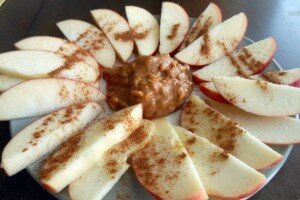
<point>209,90</point>
<point>259,97</point>
<point>29,98</point>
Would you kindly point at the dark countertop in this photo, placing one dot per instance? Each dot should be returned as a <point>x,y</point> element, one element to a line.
<point>278,18</point>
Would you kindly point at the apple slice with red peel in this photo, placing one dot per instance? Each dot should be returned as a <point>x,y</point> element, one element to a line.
<point>30,64</point>
<point>46,134</point>
<point>99,180</point>
<point>41,96</point>
<point>164,167</point>
<point>287,77</point>
<point>215,167</point>
<point>259,97</point>
<point>90,38</point>
<point>210,17</point>
<point>58,45</point>
<point>270,130</point>
<point>209,90</point>
<point>216,43</point>
<point>245,62</point>
<point>144,28</point>
<point>7,82</point>
<point>174,25</point>
<point>117,30</point>
<point>204,121</point>
<point>84,150</point>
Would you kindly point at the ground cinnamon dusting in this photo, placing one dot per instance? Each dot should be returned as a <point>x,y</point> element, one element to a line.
<point>205,48</point>
<point>273,76</point>
<point>191,141</point>
<point>57,159</point>
<point>174,31</point>
<point>263,85</point>
<point>25,149</point>
<point>139,35</point>
<point>91,39</point>
<point>124,36</point>
<point>245,56</point>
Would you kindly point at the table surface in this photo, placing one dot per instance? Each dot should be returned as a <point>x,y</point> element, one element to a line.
<point>277,18</point>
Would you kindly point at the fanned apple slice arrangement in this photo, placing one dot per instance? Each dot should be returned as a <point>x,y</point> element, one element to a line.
<point>221,145</point>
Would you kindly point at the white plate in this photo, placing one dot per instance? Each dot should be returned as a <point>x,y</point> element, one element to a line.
<point>128,187</point>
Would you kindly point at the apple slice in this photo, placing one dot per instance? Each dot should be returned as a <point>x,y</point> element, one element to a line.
<point>286,77</point>
<point>144,28</point>
<point>46,134</point>
<point>116,30</point>
<point>7,82</point>
<point>99,180</point>
<point>216,43</point>
<point>210,17</point>
<point>84,150</point>
<point>259,97</point>
<point>58,45</point>
<point>215,167</point>
<point>30,64</point>
<point>204,121</point>
<point>174,25</point>
<point>270,130</point>
<point>245,62</point>
<point>209,90</point>
<point>90,38</point>
<point>164,167</point>
<point>42,96</point>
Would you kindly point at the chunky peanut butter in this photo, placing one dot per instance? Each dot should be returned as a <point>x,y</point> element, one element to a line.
<point>160,83</point>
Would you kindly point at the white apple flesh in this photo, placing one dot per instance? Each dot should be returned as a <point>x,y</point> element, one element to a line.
<point>31,64</point>
<point>100,179</point>
<point>7,82</point>
<point>204,121</point>
<point>42,96</point>
<point>46,134</point>
<point>145,29</point>
<point>245,62</point>
<point>210,17</point>
<point>84,150</point>
<point>58,45</point>
<point>90,38</point>
<point>216,43</point>
<point>164,167</point>
<point>259,97</point>
<point>215,167</point>
<point>117,31</point>
<point>270,130</point>
<point>174,25</point>
<point>287,77</point>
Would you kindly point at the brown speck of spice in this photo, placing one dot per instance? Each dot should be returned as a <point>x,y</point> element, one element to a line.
<point>205,48</point>
<point>273,76</point>
<point>139,35</point>
<point>174,31</point>
<point>124,36</point>
<point>25,149</point>
<point>263,85</point>
<point>191,141</point>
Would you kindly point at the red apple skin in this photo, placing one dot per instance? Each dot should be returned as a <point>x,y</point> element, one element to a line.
<point>197,80</point>
<point>296,83</point>
<point>212,94</point>
<point>242,196</point>
<point>49,188</point>
<point>271,165</point>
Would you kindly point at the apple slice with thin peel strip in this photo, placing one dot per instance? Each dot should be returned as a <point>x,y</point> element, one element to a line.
<point>259,97</point>
<point>145,29</point>
<point>164,167</point>
<point>117,31</point>
<point>90,38</point>
<point>174,25</point>
<point>287,77</point>
<point>58,45</point>
<point>215,167</point>
<point>84,150</point>
<point>31,64</point>
<point>270,130</point>
<point>209,90</point>
<point>204,121</point>
<point>100,179</point>
<point>216,43</point>
<point>43,96</point>
<point>46,134</point>
<point>210,17</point>
<point>245,62</point>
